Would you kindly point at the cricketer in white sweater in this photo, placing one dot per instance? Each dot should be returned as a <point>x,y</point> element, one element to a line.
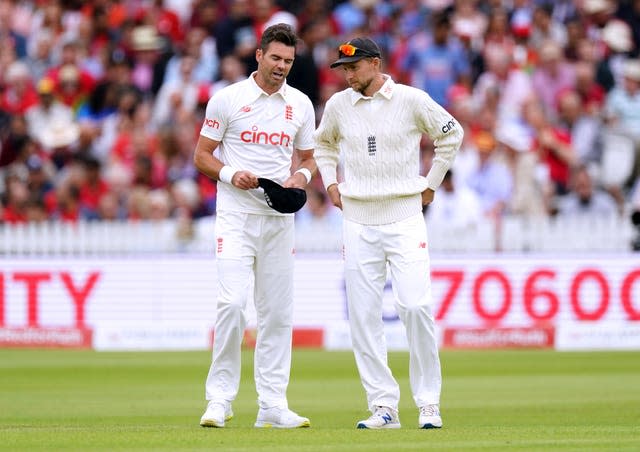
<point>378,139</point>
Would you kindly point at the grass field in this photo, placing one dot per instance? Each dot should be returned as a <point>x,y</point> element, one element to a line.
<point>492,400</point>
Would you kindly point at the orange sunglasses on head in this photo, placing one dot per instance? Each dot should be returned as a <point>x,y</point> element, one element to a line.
<point>350,50</point>
<point>347,49</point>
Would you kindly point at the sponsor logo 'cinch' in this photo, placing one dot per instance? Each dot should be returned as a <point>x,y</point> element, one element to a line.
<point>448,126</point>
<point>213,123</point>
<point>258,136</point>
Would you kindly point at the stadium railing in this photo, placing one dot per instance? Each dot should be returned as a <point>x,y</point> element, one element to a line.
<point>514,234</point>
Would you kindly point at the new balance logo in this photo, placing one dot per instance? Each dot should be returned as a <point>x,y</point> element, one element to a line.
<point>422,245</point>
<point>386,417</point>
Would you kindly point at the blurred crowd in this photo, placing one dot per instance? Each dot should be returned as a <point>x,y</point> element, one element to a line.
<point>101,102</point>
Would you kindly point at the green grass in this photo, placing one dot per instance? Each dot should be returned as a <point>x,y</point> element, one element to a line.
<point>491,400</point>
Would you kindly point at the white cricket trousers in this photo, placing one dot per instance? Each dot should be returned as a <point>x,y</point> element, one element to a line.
<point>403,246</point>
<point>254,249</point>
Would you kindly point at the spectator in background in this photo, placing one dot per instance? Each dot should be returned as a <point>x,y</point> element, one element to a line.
<point>202,48</point>
<point>553,146</point>
<point>165,20</point>
<point>232,70</point>
<point>92,187</point>
<point>177,96</point>
<point>498,33</point>
<point>69,89</point>
<point>64,203</point>
<point>551,76</point>
<point>458,208</point>
<point>40,59</point>
<point>59,139</point>
<point>492,180</point>
<point>351,15</point>
<point>618,40</point>
<point>435,61</point>
<point>584,127</point>
<point>9,35</point>
<point>622,110</point>
<point>186,198</point>
<point>234,33</point>
<point>159,204</point>
<point>69,71</point>
<point>509,87</point>
<point>267,13</point>
<point>47,111</point>
<point>16,197</point>
<point>146,45</point>
<point>467,20</point>
<point>19,93</point>
<point>40,177</point>
<point>546,27</point>
<point>304,74</point>
<point>591,93</point>
<point>36,210</point>
<point>530,178</point>
<point>585,199</point>
<point>14,140</point>
<point>138,207</point>
<point>630,12</point>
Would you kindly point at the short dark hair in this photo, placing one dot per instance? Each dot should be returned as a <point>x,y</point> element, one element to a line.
<point>279,33</point>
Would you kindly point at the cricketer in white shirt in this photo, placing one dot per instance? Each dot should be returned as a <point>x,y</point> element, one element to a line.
<point>256,134</point>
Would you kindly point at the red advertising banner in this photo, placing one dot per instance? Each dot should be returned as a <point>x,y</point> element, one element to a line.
<point>168,302</point>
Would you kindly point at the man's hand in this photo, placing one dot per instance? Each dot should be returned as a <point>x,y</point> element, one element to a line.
<point>334,195</point>
<point>427,196</point>
<point>296,180</point>
<point>244,180</point>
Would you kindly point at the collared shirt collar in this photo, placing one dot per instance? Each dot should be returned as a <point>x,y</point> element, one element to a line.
<point>386,91</point>
<point>256,91</point>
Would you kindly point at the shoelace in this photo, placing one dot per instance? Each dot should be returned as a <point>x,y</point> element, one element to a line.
<point>430,410</point>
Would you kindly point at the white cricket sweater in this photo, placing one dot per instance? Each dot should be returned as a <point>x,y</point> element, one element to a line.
<point>378,140</point>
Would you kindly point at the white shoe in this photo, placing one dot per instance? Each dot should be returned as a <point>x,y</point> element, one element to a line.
<point>430,416</point>
<point>216,414</point>
<point>280,418</point>
<point>382,417</point>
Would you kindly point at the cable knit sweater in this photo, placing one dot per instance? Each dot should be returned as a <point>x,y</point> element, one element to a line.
<point>377,140</point>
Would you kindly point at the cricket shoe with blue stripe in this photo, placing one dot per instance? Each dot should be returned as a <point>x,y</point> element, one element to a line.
<point>382,417</point>
<point>276,417</point>
<point>216,415</point>
<point>430,416</point>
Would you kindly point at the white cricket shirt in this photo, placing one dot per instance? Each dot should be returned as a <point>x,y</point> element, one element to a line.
<point>257,132</point>
<point>378,140</point>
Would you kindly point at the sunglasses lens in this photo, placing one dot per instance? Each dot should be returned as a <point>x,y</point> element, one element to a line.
<point>347,49</point>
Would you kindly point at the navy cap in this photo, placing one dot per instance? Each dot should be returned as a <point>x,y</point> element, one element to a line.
<point>355,50</point>
<point>284,200</point>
